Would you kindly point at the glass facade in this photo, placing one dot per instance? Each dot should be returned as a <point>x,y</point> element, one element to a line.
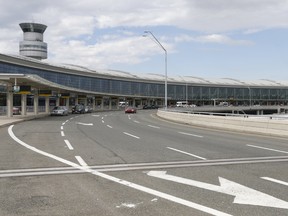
<point>195,93</point>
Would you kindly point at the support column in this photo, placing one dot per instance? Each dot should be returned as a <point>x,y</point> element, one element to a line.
<point>47,108</point>
<point>110,103</point>
<point>102,103</point>
<point>67,102</point>
<point>23,104</point>
<point>94,103</point>
<point>9,101</point>
<point>36,104</point>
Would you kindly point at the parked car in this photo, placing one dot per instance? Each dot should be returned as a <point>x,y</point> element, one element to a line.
<point>88,109</point>
<point>16,111</point>
<point>130,110</point>
<point>59,110</point>
<point>79,108</point>
<point>150,106</point>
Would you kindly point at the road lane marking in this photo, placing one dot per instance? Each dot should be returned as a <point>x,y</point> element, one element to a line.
<point>193,155</point>
<point>81,161</point>
<point>131,135</point>
<point>189,134</point>
<point>120,181</point>
<point>136,121</point>
<point>85,124</point>
<point>61,128</point>
<point>96,115</point>
<point>243,195</point>
<point>138,166</point>
<point>275,180</point>
<point>62,133</point>
<point>269,149</point>
<point>152,126</point>
<point>68,144</point>
<point>109,126</point>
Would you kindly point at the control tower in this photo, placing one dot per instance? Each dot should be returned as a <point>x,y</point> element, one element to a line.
<point>33,45</point>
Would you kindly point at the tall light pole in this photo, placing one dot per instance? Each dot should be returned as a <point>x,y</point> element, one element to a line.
<point>162,47</point>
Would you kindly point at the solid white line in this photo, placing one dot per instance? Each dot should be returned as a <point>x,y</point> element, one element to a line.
<point>85,124</point>
<point>131,135</point>
<point>109,126</point>
<point>152,126</point>
<point>81,161</point>
<point>68,144</point>
<point>193,155</point>
<point>275,180</point>
<point>121,181</point>
<point>62,133</point>
<point>269,149</point>
<point>190,134</point>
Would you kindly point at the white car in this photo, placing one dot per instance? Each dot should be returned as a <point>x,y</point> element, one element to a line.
<point>59,110</point>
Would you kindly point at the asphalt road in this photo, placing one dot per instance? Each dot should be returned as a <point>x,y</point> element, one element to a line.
<point>113,163</point>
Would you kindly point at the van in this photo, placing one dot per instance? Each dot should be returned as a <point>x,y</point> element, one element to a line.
<point>123,104</point>
<point>182,104</point>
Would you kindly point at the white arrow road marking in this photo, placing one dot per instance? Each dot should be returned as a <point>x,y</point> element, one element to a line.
<point>243,194</point>
<point>120,181</point>
<point>86,124</point>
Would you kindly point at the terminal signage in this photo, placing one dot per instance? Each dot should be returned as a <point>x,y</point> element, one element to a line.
<point>45,93</point>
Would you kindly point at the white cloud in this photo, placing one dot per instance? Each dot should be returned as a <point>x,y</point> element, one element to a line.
<point>87,32</point>
<point>213,38</point>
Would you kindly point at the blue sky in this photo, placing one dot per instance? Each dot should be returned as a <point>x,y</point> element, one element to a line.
<point>241,39</point>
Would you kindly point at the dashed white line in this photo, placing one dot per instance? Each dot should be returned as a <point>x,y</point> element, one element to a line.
<point>269,149</point>
<point>61,128</point>
<point>62,133</point>
<point>68,144</point>
<point>189,134</point>
<point>193,155</point>
<point>136,121</point>
<point>131,135</point>
<point>81,161</point>
<point>152,126</point>
<point>275,180</point>
<point>109,126</point>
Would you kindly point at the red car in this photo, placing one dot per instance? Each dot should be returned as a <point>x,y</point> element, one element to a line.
<point>130,110</point>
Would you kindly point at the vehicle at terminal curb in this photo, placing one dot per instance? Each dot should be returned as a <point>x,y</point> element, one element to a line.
<point>130,110</point>
<point>88,109</point>
<point>79,109</point>
<point>182,104</point>
<point>59,110</point>
<point>16,111</point>
<point>150,106</point>
<point>123,104</point>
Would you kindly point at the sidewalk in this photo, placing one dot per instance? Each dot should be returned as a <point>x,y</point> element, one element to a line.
<point>6,121</point>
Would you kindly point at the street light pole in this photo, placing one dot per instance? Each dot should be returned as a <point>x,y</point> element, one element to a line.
<point>162,47</point>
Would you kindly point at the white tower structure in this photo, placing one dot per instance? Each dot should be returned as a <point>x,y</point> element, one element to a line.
<point>33,45</point>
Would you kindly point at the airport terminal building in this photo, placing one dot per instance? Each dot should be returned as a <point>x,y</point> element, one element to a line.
<point>48,84</point>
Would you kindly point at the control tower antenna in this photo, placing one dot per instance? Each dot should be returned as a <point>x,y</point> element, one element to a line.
<point>32,44</point>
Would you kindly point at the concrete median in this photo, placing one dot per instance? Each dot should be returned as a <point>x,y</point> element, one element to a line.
<point>258,125</point>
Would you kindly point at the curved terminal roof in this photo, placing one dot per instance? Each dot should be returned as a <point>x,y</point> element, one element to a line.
<point>81,70</point>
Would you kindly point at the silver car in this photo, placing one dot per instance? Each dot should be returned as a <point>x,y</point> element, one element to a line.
<point>59,110</point>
